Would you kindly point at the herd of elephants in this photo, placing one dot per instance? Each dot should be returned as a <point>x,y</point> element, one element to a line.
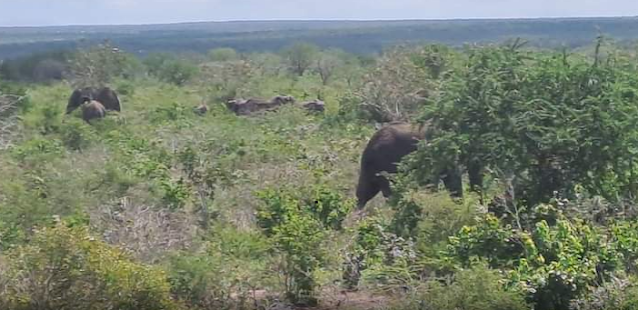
<point>383,152</point>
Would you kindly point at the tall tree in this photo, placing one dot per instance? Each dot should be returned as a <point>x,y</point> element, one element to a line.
<point>300,56</point>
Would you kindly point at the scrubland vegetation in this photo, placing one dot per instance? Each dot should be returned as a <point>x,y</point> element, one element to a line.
<point>159,207</point>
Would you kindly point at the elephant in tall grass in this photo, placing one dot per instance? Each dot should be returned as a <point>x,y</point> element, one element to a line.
<point>104,95</point>
<point>92,109</point>
<point>384,151</point>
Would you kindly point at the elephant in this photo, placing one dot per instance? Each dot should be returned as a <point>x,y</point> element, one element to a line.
<point>105,95</point>
<point>92,109</point>
<point>384,151</point>
<point>78,96</point>
<point>247,107</point>
<point>314,106</point>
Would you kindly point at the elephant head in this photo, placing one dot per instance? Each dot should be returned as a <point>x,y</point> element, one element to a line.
<point>77,97</point>
<point>92,109</point>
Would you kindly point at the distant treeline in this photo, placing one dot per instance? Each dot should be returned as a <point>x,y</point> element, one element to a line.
<point>362,37</point>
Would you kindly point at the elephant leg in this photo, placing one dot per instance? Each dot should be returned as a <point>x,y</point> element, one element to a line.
<point>475,174</point>
<point>366,190</point>
<point>453,182</point>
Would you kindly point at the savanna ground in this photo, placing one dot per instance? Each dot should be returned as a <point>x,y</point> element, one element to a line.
<point>160,208</point>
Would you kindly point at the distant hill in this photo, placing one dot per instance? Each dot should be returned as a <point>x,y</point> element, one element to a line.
<point>354,36</point>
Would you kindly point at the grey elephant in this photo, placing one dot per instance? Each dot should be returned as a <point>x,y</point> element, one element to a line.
<point>384,151</point>
<point>250,106</point>
<point>105,95</point>
<point>92,109</point>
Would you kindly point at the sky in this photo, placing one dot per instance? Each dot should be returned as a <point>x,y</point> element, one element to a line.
<point>110,12</point>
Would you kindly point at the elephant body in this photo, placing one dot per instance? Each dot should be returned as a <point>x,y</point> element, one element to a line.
<point>384,151</point>
<point>250,106</point>
<point>105,95</point>
<point>92,109</point>
<point>108,98</point>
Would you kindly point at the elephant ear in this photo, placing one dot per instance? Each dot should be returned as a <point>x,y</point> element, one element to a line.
<point>74,101</point>
<point>109,99</point>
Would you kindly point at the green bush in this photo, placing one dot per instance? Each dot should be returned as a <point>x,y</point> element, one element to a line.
<point>223,54</point>
<point>66,268</point>
<point>379,258</point>
<point>77,135</point>
<point>550,120</point>
<point>38,151</point>
<point>224,273</point>
<point>170,69</point>
<point>553,264</point>
<point>297,220</point>
<point>478,288</point>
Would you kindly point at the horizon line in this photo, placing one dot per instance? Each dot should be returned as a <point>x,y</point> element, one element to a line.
<point>331,20</point>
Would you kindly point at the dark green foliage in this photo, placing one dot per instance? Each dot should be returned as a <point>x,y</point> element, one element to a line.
<point>549,120</point>
<point>297,219</point>
<point>98,65</point>
<point>170,69</point>
<point>38,67</point>
<point>553,264</point>
<point>77,135</point>
<point>232,263</point>
<point>300,57</point>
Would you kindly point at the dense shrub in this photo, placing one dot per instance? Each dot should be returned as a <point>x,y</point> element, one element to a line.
<point>224,273</point>
<point>478,288</point>
<point>297,219</point>
<point>170,69</point>
<point>549,120</point>
<point>99,64</point>
<point>554,263</point>
<point>66,268</point>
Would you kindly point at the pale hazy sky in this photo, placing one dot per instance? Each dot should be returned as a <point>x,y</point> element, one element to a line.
<point>82,12</point>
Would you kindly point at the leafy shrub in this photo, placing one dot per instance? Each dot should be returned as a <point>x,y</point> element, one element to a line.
<point>379,257</point>
<point>66,268</point>
<point>170,69</point>
<point>224,273</point>
<point>77,135</point>
<point>478,288</point>
<point>496,114</point>
<point>403,79</point>
<point>172,113</point>
<point>37,151</point>
<point>553,264</point>
<point>300,57</point>
<point>45,119</point>
<point>125,88</point>
<point>296,219</point>
<point>100,64</point>
<point>223,54</point>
